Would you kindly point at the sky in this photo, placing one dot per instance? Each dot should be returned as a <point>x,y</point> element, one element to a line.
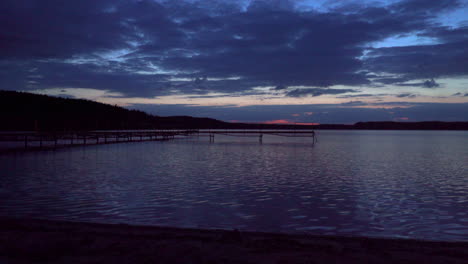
<point>266,61</point>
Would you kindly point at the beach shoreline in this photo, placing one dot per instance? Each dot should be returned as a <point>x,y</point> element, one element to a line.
<point>50,241</point>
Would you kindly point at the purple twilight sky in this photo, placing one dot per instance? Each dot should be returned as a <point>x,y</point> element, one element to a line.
<point>276,61</point>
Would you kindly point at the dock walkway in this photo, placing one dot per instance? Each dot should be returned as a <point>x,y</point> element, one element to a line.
<point>55,139</point>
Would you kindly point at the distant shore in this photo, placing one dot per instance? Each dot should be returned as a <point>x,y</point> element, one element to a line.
<point>20,111</point>
<point>44,241</point>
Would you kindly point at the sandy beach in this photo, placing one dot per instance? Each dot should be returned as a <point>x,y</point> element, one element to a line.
<point>44,241</point>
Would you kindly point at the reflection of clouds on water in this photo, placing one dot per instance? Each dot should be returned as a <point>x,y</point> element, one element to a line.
<point>379,183</point>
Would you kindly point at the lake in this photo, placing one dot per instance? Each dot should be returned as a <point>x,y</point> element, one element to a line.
<point>406,184</point>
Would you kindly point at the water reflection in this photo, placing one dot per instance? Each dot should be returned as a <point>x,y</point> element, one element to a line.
<point>377,183</point>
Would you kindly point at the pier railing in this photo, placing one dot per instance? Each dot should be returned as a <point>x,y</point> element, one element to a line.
<point>54,139</point>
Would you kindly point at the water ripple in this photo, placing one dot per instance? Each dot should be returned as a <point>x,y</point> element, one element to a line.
<point>379,183</point>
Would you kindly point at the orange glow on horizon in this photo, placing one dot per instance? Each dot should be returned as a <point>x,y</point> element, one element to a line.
<point>277,122</point>
<point>402,118</point>
<point>287,122</point>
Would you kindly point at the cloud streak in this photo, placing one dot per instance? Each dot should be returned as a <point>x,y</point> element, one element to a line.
<point>317,92</point>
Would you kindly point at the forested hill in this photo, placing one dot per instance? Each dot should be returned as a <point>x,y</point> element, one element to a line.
<point>26,111</point>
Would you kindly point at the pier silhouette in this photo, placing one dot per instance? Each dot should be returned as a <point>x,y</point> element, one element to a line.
<point>52,140</point>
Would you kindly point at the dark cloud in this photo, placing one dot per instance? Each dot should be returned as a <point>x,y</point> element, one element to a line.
<point>425,84</point>
<point>407,95</point>
<point>88,75</point>
<point>278,47</point>
<point>449,58</point>
<point>447,34</point>
<point>58,29</point>
<point>147,48</point>
<point>360,95</point>
<point>425,7</point>
<point>353,103</point>
<point>460,94</point>
<point>270,5</point>
<point>317,92</point>
<point>430,84</point>
<point>280,87</point>
<point>390,80</point>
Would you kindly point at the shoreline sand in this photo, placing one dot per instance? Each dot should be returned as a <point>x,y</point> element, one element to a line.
<point>46,241</point>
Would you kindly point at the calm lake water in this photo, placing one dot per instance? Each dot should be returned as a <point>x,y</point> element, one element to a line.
<point>410,184</point>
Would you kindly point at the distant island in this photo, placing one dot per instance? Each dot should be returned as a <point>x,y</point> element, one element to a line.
<point>21,111</point>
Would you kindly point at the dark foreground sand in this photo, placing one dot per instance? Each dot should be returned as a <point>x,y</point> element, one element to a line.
<point>40,241</point>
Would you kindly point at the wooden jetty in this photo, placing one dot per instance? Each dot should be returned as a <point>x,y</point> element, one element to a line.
<point>259,133</point>
<point>53,140</point>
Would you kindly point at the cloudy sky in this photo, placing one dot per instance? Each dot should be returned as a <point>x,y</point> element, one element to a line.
<point>274,61</point>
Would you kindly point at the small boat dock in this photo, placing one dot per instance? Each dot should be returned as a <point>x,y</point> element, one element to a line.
<point>52,140</point>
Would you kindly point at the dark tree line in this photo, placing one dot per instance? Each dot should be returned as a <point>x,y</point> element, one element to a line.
<point>22,111</point>
<point>26,111</point>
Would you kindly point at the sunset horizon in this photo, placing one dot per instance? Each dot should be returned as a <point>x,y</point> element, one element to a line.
<point>245,60</point>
